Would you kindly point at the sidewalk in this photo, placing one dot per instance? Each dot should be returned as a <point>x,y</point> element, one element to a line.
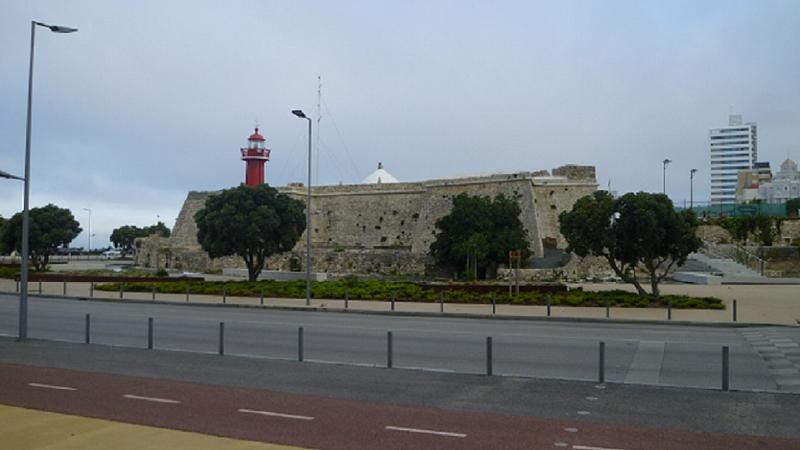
<point>772,304</point>
<point>27,429</point>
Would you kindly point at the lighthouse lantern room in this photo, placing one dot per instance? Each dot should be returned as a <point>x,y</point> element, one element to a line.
<point>255,155</point>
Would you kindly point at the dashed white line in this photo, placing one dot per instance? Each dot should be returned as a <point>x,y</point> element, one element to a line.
<point>275,414</point>
<point>150,399</point>
<point>51,386</point>
<point>419,430</point>
<point>585,447</point>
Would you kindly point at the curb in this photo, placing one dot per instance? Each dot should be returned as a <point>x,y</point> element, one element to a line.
<point>423,313</point>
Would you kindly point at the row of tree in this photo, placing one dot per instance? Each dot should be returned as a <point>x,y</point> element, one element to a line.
<point>125,236</point>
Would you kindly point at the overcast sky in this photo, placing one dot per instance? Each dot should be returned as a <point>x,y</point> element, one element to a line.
<point>151,99</point>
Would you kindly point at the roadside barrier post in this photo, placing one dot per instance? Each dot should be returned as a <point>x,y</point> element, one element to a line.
<point>734,310</point>
<point>224,294</point>
<point>88,329</point>
<point>64,292</point>
<point>222,338</point>
<point>548,304</point>
<point>40,287</point>
<point>441,301</point>
<point>149,333</point>
<point>669,309</point>
<point>121,287</point>
<point>17,285</point>
<point>489,356</point>
<point>91,289</point>
<point>187,292</point>
<point>262,296</point>
<point>608,309</point>
<point>725,368</point>
<point>346,298</point>
<point>601,369</point>
<point>388,349</point>
<point>153,291</point>
<point>494,304</point>
<point>392,300</point>
<point>300,344</point>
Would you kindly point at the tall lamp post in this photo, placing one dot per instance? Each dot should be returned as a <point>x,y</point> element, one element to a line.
<point>691,188</point>
<point>299,113</point>
<point>664,176</point>
<point>89,249</point>
<point>23,272</point>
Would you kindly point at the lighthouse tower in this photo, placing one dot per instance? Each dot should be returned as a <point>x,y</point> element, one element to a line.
<point>255,155</point>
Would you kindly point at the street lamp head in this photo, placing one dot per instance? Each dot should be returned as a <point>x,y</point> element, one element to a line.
<point>299,113</point>
<point>667,161</point>
<point>693,171</point>
<point>57,28</point>
<point>9,176</point>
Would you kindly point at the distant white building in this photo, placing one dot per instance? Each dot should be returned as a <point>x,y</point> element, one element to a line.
<point>732,148</point>
<point>785,185</point>
<point>379,176</point>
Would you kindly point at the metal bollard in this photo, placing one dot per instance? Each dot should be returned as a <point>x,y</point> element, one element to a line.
<point>601,367</point>
<point>608,309</point>
<point>222,338</point>
<point>300,344</point>
<point>734,310</point>
<point>669,309</point>
<point>725,368</point>
<point>388,349</point>
<point>494,304</point>
<point>489,356</point>
<point>17,285</point>
<point>121,286</point>
<point>187,293</point>
<point>441,301</point>
<point>91,289</point>
<point>40,287</point>
<point>149,333</point>
<point>153,292</point>
<point>224,294</point>
<point>64,292</point>
<point>262,296</point>
<point>346,298</point>
<point>88,329</point>
<point>548,304</point>
<point>392,300</point>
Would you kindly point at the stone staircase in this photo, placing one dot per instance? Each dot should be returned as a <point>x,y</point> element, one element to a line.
<point>704,267</point>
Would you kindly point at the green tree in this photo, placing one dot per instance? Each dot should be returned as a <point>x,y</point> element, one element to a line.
<point>640,230</point>
<point>3,249</point>
<point>125,236</point>
<point>253,223</point>
<point>50,227</point>
<point>478,233</point>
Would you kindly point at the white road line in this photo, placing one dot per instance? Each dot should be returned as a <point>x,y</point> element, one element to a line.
<point>150,399</point>
<point>584,447</point>
<point>275,414</point>
<point>437,433</point>
<point>50,386</point>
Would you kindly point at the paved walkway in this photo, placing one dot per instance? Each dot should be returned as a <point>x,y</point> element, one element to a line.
<point>27,429</point>
<point>755,304</point>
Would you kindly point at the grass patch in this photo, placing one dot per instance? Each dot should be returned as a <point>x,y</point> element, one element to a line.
<point>405,291</point>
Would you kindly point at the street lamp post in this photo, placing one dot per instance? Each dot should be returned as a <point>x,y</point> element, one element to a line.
<point>691,188</point>
<point>664,176</point>
<point>301,114</point>
<point>23,272</point>
<point>89,248</point>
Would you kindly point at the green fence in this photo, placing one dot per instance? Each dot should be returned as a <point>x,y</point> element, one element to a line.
<point>740,209</point>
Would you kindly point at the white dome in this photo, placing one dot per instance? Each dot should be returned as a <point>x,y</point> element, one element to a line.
<point>380,176</point>
<point>789,166</point>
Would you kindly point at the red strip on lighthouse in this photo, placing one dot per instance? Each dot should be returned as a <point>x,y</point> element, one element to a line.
<point>255,155</point>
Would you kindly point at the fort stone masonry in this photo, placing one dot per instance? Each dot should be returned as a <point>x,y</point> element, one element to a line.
<point>384,228</point>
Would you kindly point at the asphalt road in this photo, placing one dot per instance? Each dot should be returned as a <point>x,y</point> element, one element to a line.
<point>348,407</point>
<point>635,353</point>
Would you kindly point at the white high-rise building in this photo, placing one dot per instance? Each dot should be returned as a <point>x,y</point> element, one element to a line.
<point>733,148</point>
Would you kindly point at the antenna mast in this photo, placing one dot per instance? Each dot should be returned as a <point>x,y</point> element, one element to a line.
<point>319,119</point>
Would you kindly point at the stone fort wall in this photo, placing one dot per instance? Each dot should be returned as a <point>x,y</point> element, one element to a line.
<point>385,228</point>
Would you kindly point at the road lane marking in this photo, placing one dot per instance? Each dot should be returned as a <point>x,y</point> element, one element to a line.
<point>585,447</point>
<point>51,386</point>
<point>150,399</point>
<point>274,414</point>
<point>419,430</point>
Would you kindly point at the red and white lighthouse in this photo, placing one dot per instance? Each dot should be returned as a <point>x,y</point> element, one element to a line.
<point>256,154</point>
